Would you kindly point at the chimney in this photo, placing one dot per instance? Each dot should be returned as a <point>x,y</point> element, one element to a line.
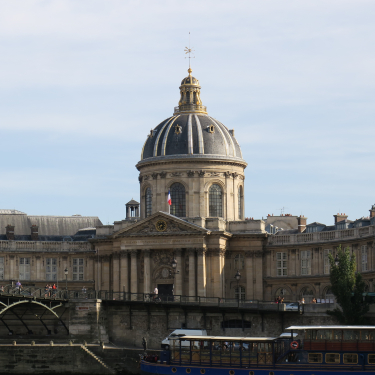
<point>34,233</point>
<point>301,223</point>
<point>340,217</point>
<point>10,232</point>
<point>372,211</point>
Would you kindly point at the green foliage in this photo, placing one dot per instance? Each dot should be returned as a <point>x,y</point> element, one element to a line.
<point>348,288</point>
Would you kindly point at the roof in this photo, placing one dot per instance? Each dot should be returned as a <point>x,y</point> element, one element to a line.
<point>328,327</point>
<point>4,211</point>
<point>316,223</point>
<point>191,135</point>
<point>226,338</point>
<point>132,202</point>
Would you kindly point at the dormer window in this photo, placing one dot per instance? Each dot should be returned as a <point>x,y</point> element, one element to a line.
<point>211,129</point>
<point>178,129</point>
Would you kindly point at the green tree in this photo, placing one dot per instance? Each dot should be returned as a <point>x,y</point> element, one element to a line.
<point>348,288</point>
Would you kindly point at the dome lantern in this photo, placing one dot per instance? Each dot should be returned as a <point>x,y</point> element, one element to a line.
<point>190,100</point>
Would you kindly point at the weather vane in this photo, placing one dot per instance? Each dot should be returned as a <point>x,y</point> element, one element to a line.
<point>189,51</point>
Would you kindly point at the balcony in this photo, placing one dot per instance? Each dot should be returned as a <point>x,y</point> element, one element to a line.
<point>190,108</point>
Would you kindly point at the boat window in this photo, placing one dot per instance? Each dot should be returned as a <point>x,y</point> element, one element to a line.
<point>315,358</point>
<point>324,334</point>
<point>332,358</point>
<point>350,334</point>
<point>371,358</point>
<point>367,335</point>
<point>350,358</point>
<point>337,334</point>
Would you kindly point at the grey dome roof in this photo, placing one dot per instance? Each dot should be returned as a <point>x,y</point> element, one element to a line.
<point>191,134</point>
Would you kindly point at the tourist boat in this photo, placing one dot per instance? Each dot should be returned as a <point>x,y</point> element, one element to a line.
<point>308,350</point>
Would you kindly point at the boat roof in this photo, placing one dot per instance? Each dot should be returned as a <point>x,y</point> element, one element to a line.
<point>226,338</point>
<point>295,328</point>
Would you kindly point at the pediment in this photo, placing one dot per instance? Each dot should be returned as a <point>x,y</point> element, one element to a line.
<point>154,226</point>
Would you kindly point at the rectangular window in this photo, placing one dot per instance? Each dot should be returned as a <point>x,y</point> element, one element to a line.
<point>315,358</point>
<point>77,269</point>
<point>364,258</point>
<point>51,269</point>
<point>371,358</point>
<point>327,266</point>
<point>24,267</point>
<point>306,262</point>
<point>350,358</point>
<point>281,264</point>
<point>332,358</point>
<point>1,268</point>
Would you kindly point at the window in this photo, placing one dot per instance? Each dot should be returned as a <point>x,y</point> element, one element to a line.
<point>350,358</point>
<point>315,358</point>
<point>327,266</point>
<point>148,202</point>
<point>77,269</point>
<point>306,262</point>
<point>1,268</point>
<point>178,207</point>
<point>239,293</point>
<point>240,202</point>
<point>364,257</point>
<point>281,264</point>
<point>51,269</point>
<point>332,358</point>
<point>24,269</point>
<point>215,201</point>
<point>239,262</point>
<point>371,358</point>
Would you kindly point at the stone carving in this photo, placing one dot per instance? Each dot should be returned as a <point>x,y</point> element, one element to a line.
<point>190,173</point>
<point>227,174</point>
<point>249,254</point>
<point>215,174</point>
<point>155,176</point>
<point>241,177</point>
<point>140,178</point>
<point>146,177</point>
<point>258,254</point>
<point>234,174</point>
<point>201,173</point>
<point>163,273</point>
<point>176,174</point>
<point>162,257</point>
<point>163,174</point>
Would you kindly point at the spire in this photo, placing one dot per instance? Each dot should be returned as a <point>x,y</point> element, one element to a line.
<point>190,100</point>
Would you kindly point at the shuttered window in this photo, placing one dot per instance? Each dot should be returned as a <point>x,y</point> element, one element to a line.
<point>281,264</point>
<point>306,262</point>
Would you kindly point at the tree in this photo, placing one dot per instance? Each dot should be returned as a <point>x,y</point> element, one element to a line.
<point>348,288</point>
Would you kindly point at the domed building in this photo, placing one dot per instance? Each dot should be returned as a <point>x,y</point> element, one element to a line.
<point>198,161</point>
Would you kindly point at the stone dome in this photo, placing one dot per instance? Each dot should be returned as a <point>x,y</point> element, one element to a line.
<point>191,134</point>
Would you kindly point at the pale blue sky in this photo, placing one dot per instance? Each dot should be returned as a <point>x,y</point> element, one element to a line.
<point>83,82</point>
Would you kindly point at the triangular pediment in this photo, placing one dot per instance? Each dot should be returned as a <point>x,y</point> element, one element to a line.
<point>159,224</point>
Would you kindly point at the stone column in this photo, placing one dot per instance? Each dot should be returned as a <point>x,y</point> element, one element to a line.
<point>249,275</point>
<point>133,272</point>
<point>124,271</point>
<point>116,272</point>
<point>105,278</point>
<point>178,280</point>
<point>38,260</point>
<point>12,275</point>
<point>258,287</point>
<point>201,272</point>
<point>147,272</point>
<point>192,290</point>
<point>98,274</point>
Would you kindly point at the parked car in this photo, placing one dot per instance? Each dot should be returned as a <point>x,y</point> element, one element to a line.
<point>177,333</point>
<point>291,306</point>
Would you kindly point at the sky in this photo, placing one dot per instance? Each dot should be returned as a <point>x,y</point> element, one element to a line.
<point>83,82</point>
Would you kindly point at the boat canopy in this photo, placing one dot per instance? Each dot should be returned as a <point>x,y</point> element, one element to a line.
<point>226,338</point>
<point>296,328</point>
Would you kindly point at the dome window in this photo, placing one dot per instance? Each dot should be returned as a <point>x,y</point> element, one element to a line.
<point>211,129</point>
<point>178,129</point>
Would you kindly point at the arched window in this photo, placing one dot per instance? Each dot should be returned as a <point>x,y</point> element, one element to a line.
<point>188,97</point>
<point>194,97</point>
<point>178,207</point>
<point>283,293</point>
<point>239,293</point>
<point>148,202</point>
<point>328,296</point>
<point>240,202</point>
<point>307,294</point>
<point>239,262</point>
<point>215,201</point>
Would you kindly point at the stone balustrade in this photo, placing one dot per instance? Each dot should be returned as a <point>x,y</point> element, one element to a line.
<point>45,246</point>
<point>331,236</point>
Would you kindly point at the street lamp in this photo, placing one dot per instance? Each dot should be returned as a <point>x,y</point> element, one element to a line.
<point>336,261</point>
<point>175,271</point>
<point>66,278</point>
<point>237,276</point>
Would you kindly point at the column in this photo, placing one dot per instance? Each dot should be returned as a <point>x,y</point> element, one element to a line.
<point>258,287</point>
<point>124,271</point>
<point>249,275</point>
<point>147,271</point>
<point>216,273</point>
<point>12,275</point>
<point>201,272</point>
<point>105,278</point>
<point>116,272</point>
<point>133,272</point>
<point>178,280</point>
<point>98,274</point>
<point>192,291</point>
<point>38,261</point>
<point>6,268</point>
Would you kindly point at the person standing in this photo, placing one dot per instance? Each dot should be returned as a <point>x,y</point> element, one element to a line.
<point>156,292</point>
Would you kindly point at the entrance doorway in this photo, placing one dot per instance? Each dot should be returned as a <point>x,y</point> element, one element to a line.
<point>165,291</point>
